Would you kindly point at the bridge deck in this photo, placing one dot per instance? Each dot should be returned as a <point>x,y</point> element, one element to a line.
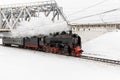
<point>5,30</point>
<point>96,25</point>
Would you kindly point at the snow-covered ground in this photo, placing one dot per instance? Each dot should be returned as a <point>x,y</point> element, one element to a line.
<point>21,64</point>
<point>107,46</point>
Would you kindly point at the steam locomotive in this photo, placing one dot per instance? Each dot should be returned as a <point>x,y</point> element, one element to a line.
<point>65,43</point>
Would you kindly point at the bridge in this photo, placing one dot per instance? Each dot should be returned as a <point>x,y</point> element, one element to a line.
<point>89,27</point>
<point>12,15</point>
<point>91,31</point>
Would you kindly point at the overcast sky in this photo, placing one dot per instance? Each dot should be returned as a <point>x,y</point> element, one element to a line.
<point>74,7</point>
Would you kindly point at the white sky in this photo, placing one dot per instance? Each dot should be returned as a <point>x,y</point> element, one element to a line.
<point>71,6</point>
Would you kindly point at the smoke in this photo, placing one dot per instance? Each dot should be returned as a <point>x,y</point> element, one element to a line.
<point>38,26</point>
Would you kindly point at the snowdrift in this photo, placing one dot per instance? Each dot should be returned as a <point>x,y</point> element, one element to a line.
<point>106,46</point>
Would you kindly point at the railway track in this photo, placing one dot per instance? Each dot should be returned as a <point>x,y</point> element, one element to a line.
<point>94,58</point>
<point>101,59</point>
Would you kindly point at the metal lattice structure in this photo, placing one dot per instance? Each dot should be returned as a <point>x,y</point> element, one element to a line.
<point>10,15</point>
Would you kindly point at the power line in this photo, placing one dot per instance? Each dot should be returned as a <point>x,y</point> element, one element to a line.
<point>109,11</point>
<point>88,7</point>
<point>96,14</point>
<point>92,15</point>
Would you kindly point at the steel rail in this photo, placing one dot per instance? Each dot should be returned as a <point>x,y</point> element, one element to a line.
<point>111,61</point>
<point>101,59</point>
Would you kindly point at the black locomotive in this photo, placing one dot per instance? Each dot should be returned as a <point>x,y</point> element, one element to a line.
<point>59,43</point>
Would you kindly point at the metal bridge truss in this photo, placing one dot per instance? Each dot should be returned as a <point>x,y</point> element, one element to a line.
<point>10,15</point>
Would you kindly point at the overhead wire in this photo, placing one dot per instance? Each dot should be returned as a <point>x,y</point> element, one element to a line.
<point>87,8</point>
<point>105,12</point>
<point>68,22</point>
<point>109,11</point>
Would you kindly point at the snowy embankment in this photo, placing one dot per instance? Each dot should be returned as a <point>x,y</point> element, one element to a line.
<point>23,64</point>
<point>87,35</point>
<point>105,46</point>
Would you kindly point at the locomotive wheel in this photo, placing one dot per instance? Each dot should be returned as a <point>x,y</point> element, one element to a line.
<point>55,51</point>
<point>7,44</point>
<point>67,54</point>
<point>20,46</point>
<point>60,52</point>
<point>52,51</point>
<point>47,49</point>
<point>73,53</point>
<point>44,49</point>
<point>40,48</point>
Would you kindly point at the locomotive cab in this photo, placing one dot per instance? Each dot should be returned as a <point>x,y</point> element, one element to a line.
<point>77,45</point>
<point>76,40</point>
